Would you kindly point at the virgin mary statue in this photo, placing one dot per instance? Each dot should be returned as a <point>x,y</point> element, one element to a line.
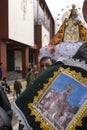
<point>71,35</point>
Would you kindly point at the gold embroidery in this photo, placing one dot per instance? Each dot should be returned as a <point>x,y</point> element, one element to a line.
<point>38,118</point>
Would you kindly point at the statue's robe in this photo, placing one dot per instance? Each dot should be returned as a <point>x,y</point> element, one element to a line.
<point>58,38</point>
<point>58,49</point>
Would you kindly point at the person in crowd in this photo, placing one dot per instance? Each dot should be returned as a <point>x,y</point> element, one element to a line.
<point>45,62</point>
<point>5,85</point>
<point>0,70</point>
<point>29,73</point>
<point>30,67</point>
<point>6,112</point>
<point>32,74</point>
<point>17,87</point>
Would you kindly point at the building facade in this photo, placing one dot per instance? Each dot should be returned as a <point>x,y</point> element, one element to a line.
<point>25,26</point>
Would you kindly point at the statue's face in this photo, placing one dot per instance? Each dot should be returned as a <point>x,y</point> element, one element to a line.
<point>73,6</point>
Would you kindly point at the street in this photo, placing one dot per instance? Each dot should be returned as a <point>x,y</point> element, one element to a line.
<point>15,122</point>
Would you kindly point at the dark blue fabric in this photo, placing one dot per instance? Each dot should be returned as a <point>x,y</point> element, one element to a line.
<point>82,53</point>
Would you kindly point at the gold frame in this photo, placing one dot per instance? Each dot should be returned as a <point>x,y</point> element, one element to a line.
<point>38,118</point>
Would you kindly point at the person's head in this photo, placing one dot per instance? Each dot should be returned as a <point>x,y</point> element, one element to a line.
<point>44,63</point>
<point>4,78</point>
<point>16,79</point>
<point>34,67</point>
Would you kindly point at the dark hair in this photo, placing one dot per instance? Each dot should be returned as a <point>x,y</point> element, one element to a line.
<point>45,58</point>
<point>0,63</point>
<point>4,78</point>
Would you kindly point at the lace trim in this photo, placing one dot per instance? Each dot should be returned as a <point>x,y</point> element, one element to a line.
<point>78,63</point>
<point>21,117</point>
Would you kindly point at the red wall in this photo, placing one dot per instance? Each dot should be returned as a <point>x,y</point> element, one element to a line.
<point>3,19</point>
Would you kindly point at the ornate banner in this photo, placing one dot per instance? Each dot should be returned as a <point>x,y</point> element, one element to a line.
<point>62,103</point>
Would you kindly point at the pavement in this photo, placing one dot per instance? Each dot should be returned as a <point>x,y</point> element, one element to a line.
<point>10,81</point>
<point>15,122</point>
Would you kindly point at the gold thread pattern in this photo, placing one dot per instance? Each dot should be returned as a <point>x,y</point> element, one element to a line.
<point>38,118</point>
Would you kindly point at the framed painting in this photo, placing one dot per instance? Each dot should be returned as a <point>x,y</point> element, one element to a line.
<point>63,101</point>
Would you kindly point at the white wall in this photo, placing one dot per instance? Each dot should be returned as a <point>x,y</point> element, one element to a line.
<point>21,21</point>
<point>45,36</point>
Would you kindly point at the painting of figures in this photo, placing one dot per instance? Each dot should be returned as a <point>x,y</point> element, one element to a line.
<point>62,101</point>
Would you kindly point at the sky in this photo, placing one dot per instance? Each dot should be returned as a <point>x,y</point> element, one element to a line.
<point>56,7</point>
